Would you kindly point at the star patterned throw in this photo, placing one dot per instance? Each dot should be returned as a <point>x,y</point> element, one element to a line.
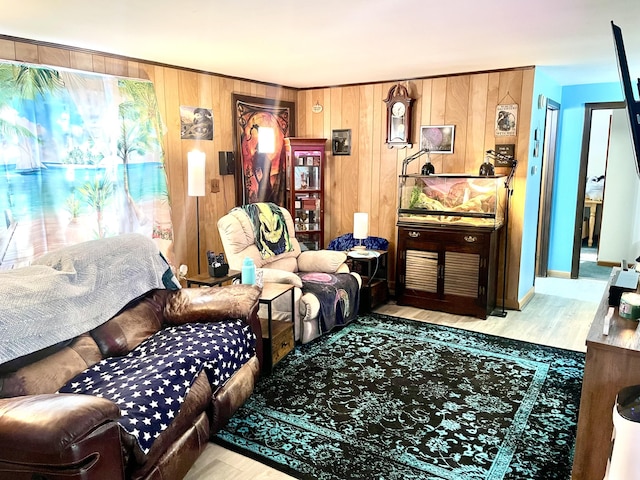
<point>151,382</point>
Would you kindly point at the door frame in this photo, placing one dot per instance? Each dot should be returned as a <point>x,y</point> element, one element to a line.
<point>546,187</point>
<point>582,178</point>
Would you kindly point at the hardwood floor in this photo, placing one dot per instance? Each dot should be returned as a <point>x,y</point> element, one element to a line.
<point>559,315</point>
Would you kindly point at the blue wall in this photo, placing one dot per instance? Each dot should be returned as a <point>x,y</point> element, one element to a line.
<point>542,85</point>
<point>567,169</point>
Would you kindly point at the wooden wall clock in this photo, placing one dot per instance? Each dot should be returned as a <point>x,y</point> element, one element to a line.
<point>398,117</point>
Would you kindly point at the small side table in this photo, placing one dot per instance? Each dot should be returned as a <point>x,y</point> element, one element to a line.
<point>278,336</point>
<point>372,267</point>
<point>204,279</point>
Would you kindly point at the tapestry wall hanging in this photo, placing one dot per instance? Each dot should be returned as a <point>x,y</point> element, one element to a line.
<point>261,173</point>
<point>80,158</point>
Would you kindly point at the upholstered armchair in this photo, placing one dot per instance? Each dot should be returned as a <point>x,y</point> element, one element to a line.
<point>237,232</point>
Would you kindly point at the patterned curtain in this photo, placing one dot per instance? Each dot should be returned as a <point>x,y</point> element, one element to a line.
<point>80,158</point>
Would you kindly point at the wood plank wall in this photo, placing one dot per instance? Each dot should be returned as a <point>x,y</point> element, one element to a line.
<point>364,181</point>
<point>367,180</point>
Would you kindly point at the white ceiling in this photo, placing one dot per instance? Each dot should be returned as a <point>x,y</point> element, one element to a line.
<point>300,43</point>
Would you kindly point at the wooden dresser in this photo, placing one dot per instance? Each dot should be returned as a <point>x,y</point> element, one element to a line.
<point>612,362</point>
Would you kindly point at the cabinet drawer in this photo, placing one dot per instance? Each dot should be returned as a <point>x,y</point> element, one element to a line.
<point>282,341</point>
<point>433,236</point>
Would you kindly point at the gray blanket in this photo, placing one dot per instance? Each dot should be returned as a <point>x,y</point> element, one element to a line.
<point>75,289</point>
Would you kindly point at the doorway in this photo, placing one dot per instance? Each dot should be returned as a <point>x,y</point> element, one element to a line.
<point>589,202</point>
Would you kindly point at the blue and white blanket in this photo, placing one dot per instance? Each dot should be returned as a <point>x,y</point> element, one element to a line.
<point>151,382</point>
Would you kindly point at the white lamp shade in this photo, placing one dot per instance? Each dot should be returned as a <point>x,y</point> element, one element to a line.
<point>360,225</point>
<point>195,173</point>
<point>266,140</point>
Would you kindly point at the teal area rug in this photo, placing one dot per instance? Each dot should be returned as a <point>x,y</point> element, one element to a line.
<point>391,399</point>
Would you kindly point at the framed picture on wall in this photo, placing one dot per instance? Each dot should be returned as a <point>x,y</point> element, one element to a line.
<point>437,138</point>
<point>341,142</point>
<point>260,127</point>
<point>506,120</point>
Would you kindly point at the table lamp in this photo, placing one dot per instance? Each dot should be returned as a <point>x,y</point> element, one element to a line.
<point>360,228</point>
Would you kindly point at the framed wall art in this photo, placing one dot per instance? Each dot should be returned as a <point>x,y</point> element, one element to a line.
<point>506,120</point>
<point>437,138</point>
<point>261,170</point>
<point>341,142</point>
<point>196,123</point>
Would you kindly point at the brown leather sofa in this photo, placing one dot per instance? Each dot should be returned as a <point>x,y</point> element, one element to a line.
<point>54,436</point>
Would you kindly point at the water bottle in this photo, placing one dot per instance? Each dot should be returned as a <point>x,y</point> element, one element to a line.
<point>248,271</point>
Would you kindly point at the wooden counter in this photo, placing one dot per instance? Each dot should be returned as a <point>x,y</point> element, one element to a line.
<point>612,362</point>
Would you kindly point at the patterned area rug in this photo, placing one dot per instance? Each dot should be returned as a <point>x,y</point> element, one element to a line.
<point>391,399</point>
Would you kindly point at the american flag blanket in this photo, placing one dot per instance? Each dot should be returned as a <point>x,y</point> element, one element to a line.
<point>151,382</point>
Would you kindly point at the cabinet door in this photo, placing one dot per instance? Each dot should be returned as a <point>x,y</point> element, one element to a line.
<point>420,262</point>
<point>461,271</point>
<point>464,262</point>
<point>422,270</point>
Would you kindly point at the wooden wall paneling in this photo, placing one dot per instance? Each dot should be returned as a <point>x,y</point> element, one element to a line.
<point>476,122</point>
<point>7,49</point>
<point>208,203</point>
<point>217,200</point>
<point>350,169</point>
<point>133,69</point>
<point>188,95</point>
<point>522,173</point>
<point>334,191</point>
<point>363,158</point>
<point>511,87</point>
<point>176,168</point>
<point>423,114</point>
<point>81,61</point>
<point>493,90</point>
<point>26,52</point>
<point>437,117</point>
<point>321,128</point>
<point>303,111</point>
<point>509,91</point>
<point>227,135</point>
<point>376,125</point>
<point>116,66</point>
<point>456,113</point>
<point>57,57</point>
<point>98,62</point>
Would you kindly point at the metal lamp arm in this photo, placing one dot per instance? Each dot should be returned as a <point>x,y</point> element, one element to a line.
<point>411,158</point>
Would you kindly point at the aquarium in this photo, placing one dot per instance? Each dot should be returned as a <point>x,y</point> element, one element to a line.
<point>452,199</point>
